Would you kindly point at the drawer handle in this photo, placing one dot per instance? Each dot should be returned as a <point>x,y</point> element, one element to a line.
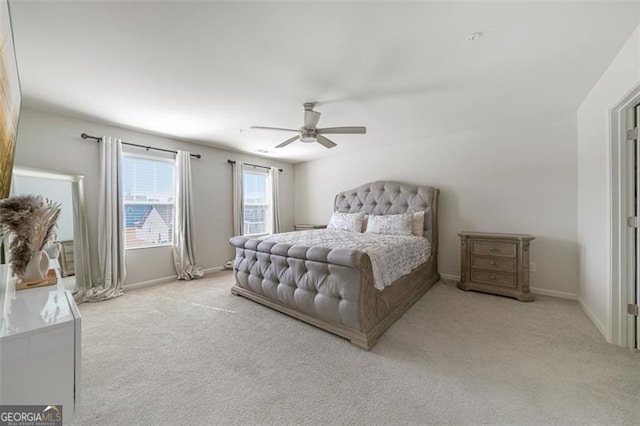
<point>492,277</point>
<point>492,262</point>
<point>492,249</point>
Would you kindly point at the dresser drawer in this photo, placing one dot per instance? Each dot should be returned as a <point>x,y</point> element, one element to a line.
<point>504,279</point>
<point>498,263</point>
<point>495,248</point>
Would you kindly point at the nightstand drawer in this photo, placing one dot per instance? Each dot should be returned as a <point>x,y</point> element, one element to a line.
<point>504,279</point>
<point>507,264</point>
<point>494,248</point>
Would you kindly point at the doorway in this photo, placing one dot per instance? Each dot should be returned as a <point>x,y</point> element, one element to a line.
<point>625,221</point>
<point>633,136</point>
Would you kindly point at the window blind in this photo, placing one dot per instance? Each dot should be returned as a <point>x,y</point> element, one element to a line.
<point>148,186</point>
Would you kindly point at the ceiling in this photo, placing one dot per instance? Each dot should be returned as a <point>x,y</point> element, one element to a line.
<point>206,71</point>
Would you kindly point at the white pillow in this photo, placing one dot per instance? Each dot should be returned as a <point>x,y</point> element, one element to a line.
<point>395,224</point>
<point>417,225</point>
<point>351,222</point>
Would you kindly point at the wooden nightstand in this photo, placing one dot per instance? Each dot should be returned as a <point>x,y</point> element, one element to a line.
<point>496,263</point>
<point>305,227</point>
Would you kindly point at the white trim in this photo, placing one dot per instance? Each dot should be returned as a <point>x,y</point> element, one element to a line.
<point>46,174</point>
<point>163,280</point>
<point>601,328</point>
<point>541,291</point>
<point>619,240</point>
<point>554,293</point>
<point>149,247</point>
<point>159,156</point>
<point>450,277</point>
<point>213,270</point>
<point>149,283</point>
<point>262,170</point>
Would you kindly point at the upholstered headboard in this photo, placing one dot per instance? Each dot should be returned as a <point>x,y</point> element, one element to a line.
<point>386,197</point>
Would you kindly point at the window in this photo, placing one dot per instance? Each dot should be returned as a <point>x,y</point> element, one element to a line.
<point>257,204</point>
<point>148,201</point>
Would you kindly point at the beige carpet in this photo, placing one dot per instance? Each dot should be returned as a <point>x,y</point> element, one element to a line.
<point>191,353</point>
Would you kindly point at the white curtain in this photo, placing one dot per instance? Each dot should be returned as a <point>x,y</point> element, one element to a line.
<point>238,199</point>
<point>184,256</point>
<point>274,174</point>
<point>110,223</point>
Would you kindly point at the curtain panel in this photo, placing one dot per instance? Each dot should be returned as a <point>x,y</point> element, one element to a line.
<point>184,256</point>
<point>238,198</point>
<point>111,261</point>
<point>274,174</point>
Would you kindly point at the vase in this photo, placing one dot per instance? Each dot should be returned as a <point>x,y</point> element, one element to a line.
<point>37,267</point>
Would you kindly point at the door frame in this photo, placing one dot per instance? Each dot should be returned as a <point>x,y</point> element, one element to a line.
<point>621,259</point>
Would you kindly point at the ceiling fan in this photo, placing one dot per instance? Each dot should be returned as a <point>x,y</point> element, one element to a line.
<point>310,133</point>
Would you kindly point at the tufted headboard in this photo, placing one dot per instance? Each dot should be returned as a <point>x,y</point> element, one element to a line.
<point>387,197</point>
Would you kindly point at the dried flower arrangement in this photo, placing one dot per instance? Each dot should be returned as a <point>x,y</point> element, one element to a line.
<point>31,221</point>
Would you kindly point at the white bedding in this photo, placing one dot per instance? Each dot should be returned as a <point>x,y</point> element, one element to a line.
<point>392,256</point>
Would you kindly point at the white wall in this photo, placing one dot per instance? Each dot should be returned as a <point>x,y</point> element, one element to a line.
<point>517,176</point>
<point>594,181</point>
<point>52,142</point>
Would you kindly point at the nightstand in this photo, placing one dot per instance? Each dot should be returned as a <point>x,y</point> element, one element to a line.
<point>306,227</point>
<point>495,263</point>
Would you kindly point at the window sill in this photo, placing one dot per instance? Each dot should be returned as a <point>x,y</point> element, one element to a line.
<point>148,247</point>
<point>256,235</point>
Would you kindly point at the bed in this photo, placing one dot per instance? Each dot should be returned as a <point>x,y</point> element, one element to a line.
<point>333,288</point>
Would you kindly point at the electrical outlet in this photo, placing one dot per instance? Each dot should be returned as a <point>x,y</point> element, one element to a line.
<point>532,267</point>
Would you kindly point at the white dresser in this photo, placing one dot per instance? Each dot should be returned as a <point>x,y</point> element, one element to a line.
<point>39,347</point>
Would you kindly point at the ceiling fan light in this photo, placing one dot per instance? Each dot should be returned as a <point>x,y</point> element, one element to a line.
<point>308,139</point>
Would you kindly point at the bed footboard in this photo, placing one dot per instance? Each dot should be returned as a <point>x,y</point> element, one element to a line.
<point>332,291</point>
<point>320,283</point>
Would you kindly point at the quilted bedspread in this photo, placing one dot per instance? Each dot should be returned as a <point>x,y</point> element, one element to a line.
<point>392,256</point>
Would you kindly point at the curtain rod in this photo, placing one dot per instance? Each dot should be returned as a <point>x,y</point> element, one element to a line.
<point>252,165</point>
<point>98,139</point>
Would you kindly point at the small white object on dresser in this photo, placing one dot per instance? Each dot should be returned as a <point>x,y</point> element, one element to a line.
<point>495,263</point>
<point>39,346</point>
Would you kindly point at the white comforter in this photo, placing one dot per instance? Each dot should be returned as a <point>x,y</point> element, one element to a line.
<point>392,256</point>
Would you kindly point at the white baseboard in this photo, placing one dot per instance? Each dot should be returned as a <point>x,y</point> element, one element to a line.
<point>148,283</point>
<point>212,270</point>
<point>554,293</point>
<point>594,320</point>
<point>450,277</point>
<point>170,278</point>
<point>541,291</point>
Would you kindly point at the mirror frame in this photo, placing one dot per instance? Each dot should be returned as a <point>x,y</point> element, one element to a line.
<point>82,262</point>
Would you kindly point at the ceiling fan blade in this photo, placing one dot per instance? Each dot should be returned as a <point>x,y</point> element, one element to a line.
<point>343,130</point>
<point>288,141</point>
<point>325,142</point>
<point>273,128</point>
<point>311,118</point>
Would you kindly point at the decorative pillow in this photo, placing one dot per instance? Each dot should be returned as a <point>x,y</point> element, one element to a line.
<point>351,222</point>
<point>395,224</point>
<point>417,225</point>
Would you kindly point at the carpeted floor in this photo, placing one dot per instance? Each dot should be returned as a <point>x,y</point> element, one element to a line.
<point>191,353</point>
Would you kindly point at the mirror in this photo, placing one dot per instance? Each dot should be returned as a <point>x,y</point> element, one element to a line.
<point>72,232</point>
